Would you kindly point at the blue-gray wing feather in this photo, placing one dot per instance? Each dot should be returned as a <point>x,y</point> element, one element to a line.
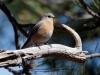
<point>35,29</point>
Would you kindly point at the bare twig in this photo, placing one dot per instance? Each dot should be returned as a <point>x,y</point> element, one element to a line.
<point>17,39</point>
<point>93,55</point>
<point>89,10</point>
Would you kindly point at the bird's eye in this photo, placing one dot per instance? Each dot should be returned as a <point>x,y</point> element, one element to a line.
<point>49,16</point>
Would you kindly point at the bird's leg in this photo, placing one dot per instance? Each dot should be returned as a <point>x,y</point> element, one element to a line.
<point>48,44</point>
<point>38,46</point>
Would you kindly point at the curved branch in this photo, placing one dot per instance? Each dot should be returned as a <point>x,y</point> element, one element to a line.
<point>76,37</point>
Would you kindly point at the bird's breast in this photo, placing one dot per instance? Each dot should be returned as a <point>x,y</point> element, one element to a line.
<point>44,33</point>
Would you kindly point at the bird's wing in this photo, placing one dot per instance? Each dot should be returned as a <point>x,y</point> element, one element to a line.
<point>35,29</point>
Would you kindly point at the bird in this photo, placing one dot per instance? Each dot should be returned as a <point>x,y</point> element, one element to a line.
<point>41,32</point>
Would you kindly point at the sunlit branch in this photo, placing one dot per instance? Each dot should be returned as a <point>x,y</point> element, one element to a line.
<point>93,55</point>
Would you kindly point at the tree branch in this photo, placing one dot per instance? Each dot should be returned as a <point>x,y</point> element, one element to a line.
<point>12,19</point>
<point>76,37</point>
<point>17,39</point>
<point>89,10</point>
<point>15,57</point>
<point>93,55</point>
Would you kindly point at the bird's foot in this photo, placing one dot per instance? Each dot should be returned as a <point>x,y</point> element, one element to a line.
<point>38,46</point>
<point>48,44</point>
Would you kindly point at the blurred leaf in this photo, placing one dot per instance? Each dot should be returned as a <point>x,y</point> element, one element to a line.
<point>97,4</point>
<point>77,3</point>
<point>79,23</point>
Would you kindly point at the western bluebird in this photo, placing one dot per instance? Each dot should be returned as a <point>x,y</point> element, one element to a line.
<point>41,32</point>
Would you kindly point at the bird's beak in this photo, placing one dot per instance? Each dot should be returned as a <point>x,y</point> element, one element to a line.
<point>54,17</point>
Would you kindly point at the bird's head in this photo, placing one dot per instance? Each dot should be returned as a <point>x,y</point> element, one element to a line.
<point>48,16</point>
